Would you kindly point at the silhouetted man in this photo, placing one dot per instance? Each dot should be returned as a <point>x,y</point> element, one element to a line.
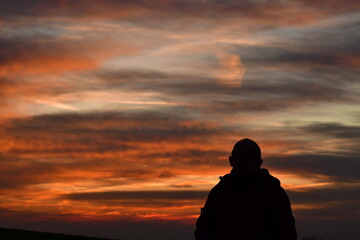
<point>248,203</point>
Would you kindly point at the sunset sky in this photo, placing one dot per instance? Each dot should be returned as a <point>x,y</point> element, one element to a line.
<point>118,117</point>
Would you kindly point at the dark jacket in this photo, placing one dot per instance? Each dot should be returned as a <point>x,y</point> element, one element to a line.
<point>249,208</point>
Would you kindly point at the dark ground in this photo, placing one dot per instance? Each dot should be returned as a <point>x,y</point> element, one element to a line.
<point>8,233</point>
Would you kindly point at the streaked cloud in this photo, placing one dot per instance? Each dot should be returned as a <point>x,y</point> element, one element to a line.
<point>123,113</point>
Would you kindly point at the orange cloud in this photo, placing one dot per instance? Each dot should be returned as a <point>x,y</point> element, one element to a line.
<point>230,70</point>
<point>58,57</point>
<point>33,70</point>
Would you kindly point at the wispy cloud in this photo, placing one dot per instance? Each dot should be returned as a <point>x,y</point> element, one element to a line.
<point>128,110</point>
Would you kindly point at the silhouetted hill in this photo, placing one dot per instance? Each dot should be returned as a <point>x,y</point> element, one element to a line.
<point>7,233</point>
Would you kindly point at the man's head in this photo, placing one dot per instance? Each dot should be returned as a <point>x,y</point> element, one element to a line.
<point>246,157</point>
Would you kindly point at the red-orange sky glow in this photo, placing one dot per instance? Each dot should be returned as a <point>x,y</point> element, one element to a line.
<point>118,117</point>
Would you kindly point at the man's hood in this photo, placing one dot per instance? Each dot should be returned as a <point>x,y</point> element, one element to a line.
<point>262,176</point>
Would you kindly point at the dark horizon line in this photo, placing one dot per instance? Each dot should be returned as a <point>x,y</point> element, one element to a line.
<point>27,234</point>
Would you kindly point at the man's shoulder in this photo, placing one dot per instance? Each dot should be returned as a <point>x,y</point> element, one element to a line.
<point>220,184</point>
<point>269,180</point>
<point>272,188</point>
<point>264,181</point>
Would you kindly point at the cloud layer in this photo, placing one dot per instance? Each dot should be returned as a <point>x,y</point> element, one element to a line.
<point>125,112</point>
